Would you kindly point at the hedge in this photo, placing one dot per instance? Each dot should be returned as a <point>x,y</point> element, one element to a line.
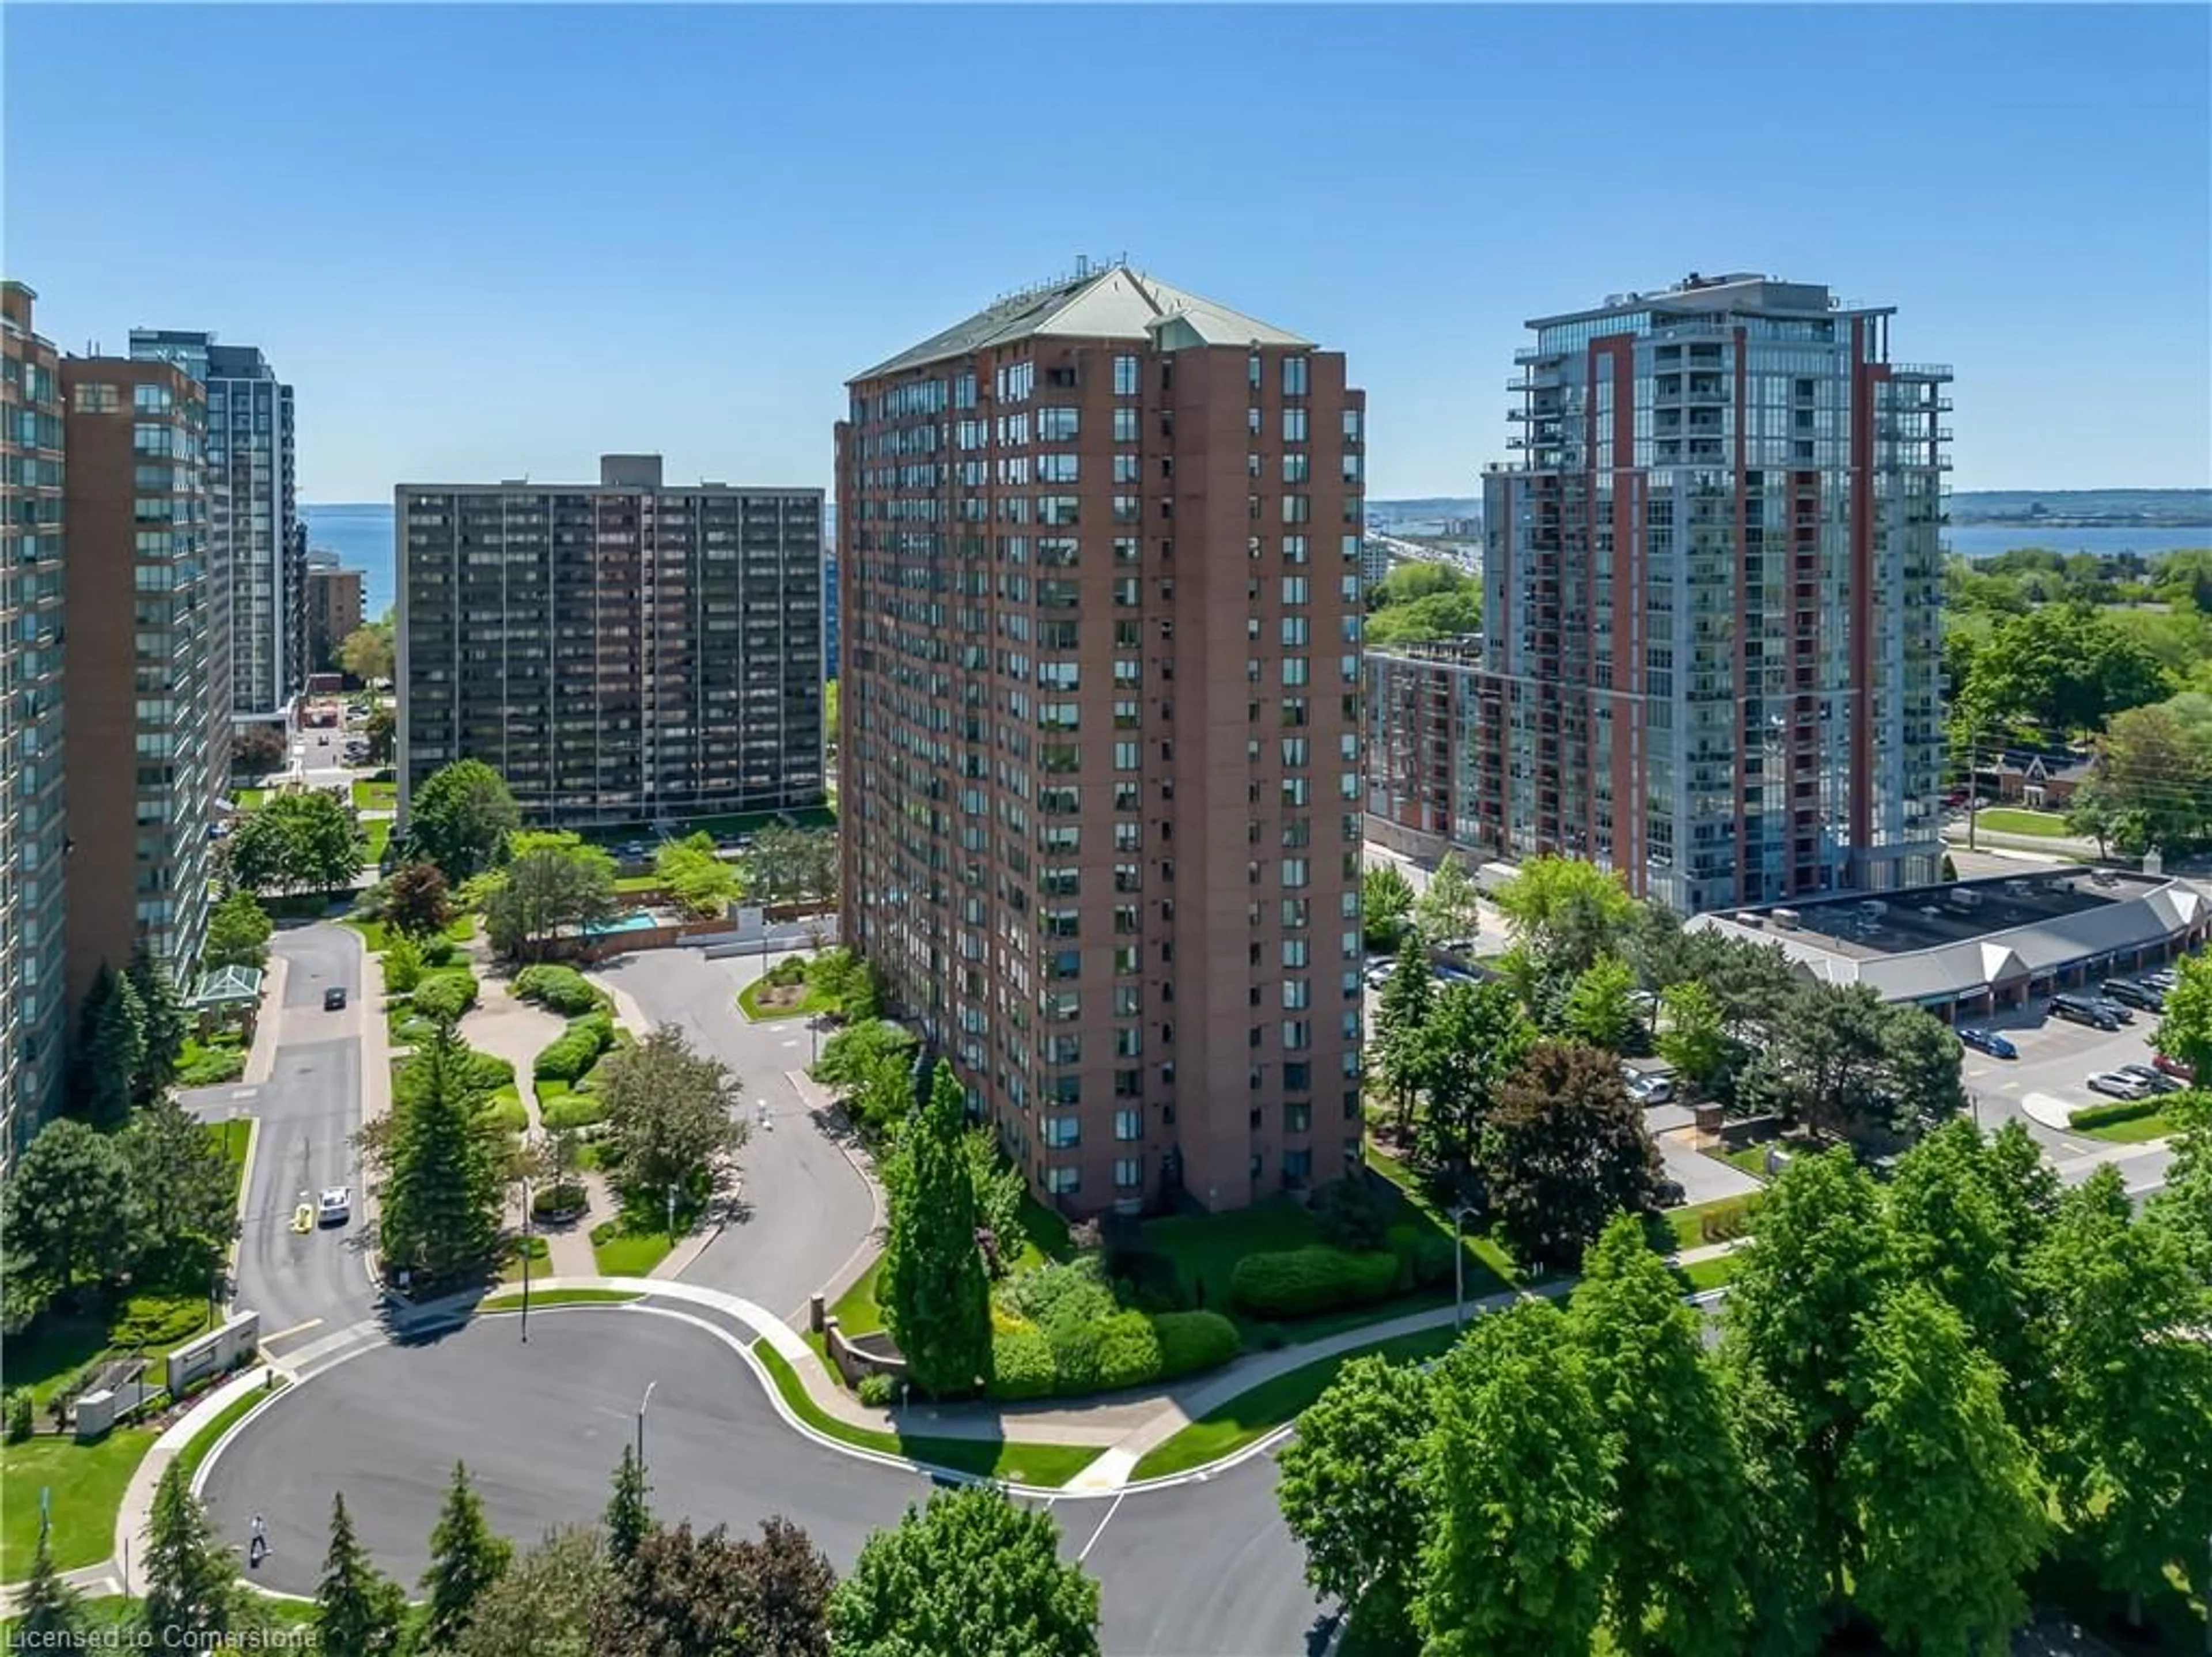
<point>558,989</point>
<point>2120,1110</point>
<point>576,1050</point>
<point>509,1111</point>
<point>482,1072</point>
<point>1074,1294</point>
<point>1124,1348</point>
<point>571,1111</point>
<point>1192,1341</point>
<point>1298,1282</point>
<point>446,994</point>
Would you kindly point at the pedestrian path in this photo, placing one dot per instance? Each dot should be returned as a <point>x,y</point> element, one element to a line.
<point>518,1032</point>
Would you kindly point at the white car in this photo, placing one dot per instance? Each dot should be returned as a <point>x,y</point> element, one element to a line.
<point>335,1206</point>
<point>1652,1090</point>
<point>2118,1086</point>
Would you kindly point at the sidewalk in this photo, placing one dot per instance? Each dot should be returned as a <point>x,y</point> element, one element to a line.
<point>518,1032</point>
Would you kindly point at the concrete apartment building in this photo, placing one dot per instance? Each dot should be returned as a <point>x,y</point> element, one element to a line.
<point>334,610</point>
<point>254,525</point>
<point>149,726</point>
<point>623,652</point>
<point>1100,727</point>
<point>1712,593</point>
<point>33,834</point>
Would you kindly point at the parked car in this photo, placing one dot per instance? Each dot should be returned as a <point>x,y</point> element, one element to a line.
<point>1378,972</point>
<point>1457,946</point>
<point>1449,974</point>
<point>2129,993</point>
<point>1987,1041</point>
<point>2119,1085</point>
<point>334,999</point>
<point>335,1206</point>
<point>2157,1081</point>
<point>2084,1009</point>
<point>1649,1090</point>
<point>2163,981</point>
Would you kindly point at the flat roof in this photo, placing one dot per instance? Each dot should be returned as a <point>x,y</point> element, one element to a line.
<point>1939,943</point>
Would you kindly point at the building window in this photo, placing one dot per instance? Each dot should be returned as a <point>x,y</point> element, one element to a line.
<point>1128,1173</point>
<point>1294,425</point>
<point>1297,509</point>
<point>1352,423</point>
<point>1125,425</point>
<point>1294,376</point>
<point>95,399</point>
<point>1063,1182</point>
<point>1056,468</point>
<point>1297,467</point>
<point>1056,425</point>
<point>1125,376</point>
<point>151,399</point>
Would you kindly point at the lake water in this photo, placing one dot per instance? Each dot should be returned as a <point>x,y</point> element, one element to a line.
<point>361,534</point>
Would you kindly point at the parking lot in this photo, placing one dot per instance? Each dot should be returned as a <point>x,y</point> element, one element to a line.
<point>2056,1058</point>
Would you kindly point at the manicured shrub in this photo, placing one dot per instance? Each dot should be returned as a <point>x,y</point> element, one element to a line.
<point>1021,1364</point>
<point>1074,1295</point>
<point>558,989</point>
<point>2120,1110</point>
<point>157,1320</point>
<point>1128,1350</point>
<point>19,1418</point>
<point>1298,1282</point>
<point>509,1111</point>
<point>1727,1222</point>
<point>1348,1214</point>
<point>446,994</point>
<point>577,1048</point>
<point>570,1111</point>
<point>439,951</point>
<point>878,1390</point>
<point>563,1198</point>
<point>1074,1343</point>
<point>786,972</point>
<point>1192,1341</point>
<point>1425,1258</point>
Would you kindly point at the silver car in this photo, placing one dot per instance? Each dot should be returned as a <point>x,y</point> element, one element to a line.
<point>2118,1086</point>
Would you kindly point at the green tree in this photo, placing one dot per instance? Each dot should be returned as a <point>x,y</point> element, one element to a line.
<point>1956,1234</point>
<point>1672,1541</point>
<point>442,1158</point>
<point>191,1600</point>
<point>1353,1488</point>
<point>1000,1191</point>
<point>111,1050</point>
<point>628,1517</point>
<point>542,1606</point>
<point>1401,1042</point>
<point>1386,904</point>
<point>183,1207</point>
<point>1823,1064</point>
<point>1410,583</point>
<point>2183,1209</point>
<point>1521,1488</point>
<point>51,1614</point>
<point>670,1110</point>
<point>2185,1029</point>
<point>1921,1061</point>
<point>257,750</point>
<point>1566,913</point>
<point>1818,1265</point>
<point>1949,1502</point>
<point>381,730</point>
<point>418,902</point>
<point>872,1063</point>
<point>368,652</point>
<point>166,1026</point>
<point>1450,906</point>
<point>970,1573</point>
<point>460,818</point>
<point>1476,1037</point>
<point>305,841</point>
<point>238,933</point>
<point>2129,1442</point>
<point>1455,614</point>
<point>1565,1150</point>
<point>1780,1563</point>
<point>2061,669</point>
<point>1693,1036</point>
<point>695,874</point>
<point>552,883</point>
<point>359,1611</point>
<point>465,1559</point>
<point>2151,782</point>
<point>935,1292</point>
<point>70,1212</point>
<point>1601,1008</point>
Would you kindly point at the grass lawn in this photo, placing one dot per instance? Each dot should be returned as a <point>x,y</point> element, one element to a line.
<point>2011,819</point>
<point>1253,1415</point>
<point>1751,1160</point>
<point>810,1001</point>
<point>624,1253</point>
<point>1207,1248</point>
<point>2133,1131</point>
<point>512,1302</point>
<point>375,797</point>
<point>510,1270</point>
<point>87,1481</point>
<point>233,1137</point>
<point>207,1064</point>
<point>376,835</point>
<point>1047,1465</point>
<point>631,885</point>
<point>250,799</point>
<point>206,1438</point>
<point>1701,1275</point>
<point>1685,1228</point>
<point>856,1310</point>
<point>372,933</point>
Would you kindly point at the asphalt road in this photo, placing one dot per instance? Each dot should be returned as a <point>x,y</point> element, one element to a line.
<point>309,1110</point>
<point>805,1209</point>
<point>2056,1058</point>
<point>1206,1570</point>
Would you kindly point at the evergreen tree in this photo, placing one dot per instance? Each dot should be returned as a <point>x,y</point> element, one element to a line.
<point>936,1295</point>
<point>52,1615</point>
<point>189,1577</point>
<point>1520,1483</point>
<point>465,1558</point>
<point>1949,1502</point>
<point>186,1208</point>
<point>358,1610</point>
<point>1671,1543</point>
<point>442,1188</point>
<point>629,1520</point>
<point>110,1048</point>
<point>165,1023</point>
<point>1400,1045</point>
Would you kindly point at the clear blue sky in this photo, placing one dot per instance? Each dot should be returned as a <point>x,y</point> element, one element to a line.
<point>490,241</point>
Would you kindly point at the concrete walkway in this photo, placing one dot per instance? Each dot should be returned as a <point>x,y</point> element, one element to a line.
<point>518,1032</point>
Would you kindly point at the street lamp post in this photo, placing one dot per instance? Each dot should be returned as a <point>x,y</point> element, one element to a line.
<point>1459,1265</point>
<point>671,1217</point>
<point>641,1405</point>
<point>526,1241</point>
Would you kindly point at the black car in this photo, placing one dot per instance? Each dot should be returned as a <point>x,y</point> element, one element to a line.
<point>2081,1009</point>
<point>2129,993</point>
<point>334,999</point>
